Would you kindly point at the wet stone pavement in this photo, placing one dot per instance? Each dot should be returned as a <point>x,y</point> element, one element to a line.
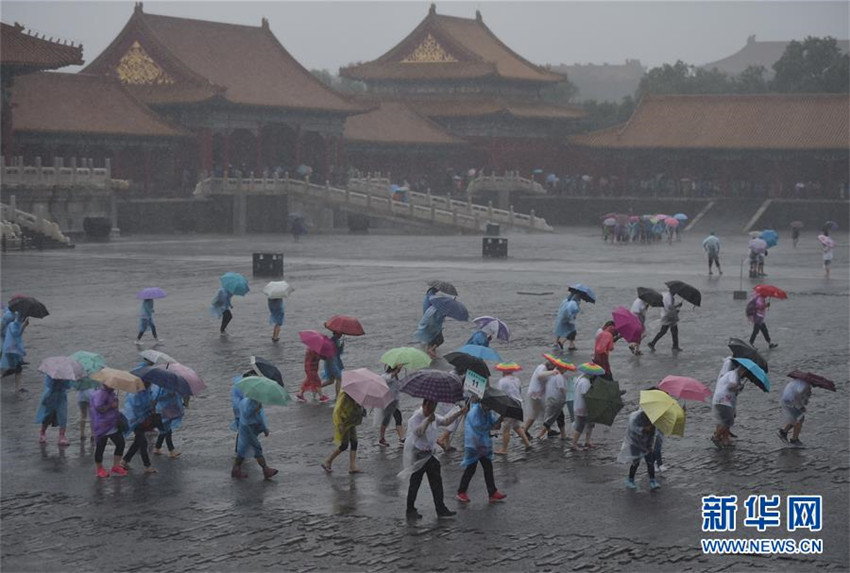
<point>565,510</point>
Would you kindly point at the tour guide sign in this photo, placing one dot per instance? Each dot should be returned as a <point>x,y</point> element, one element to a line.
<point>474,383</point>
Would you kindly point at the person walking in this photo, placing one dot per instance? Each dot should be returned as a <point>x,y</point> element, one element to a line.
<point>251,423</point>
<point>83,402</point>
<point>756,311</point>
<point>556,398</point>
<point>478,448</point>
<point>107,424</point>
<point>12,361</point>
<point>391,410</point>
<point>724,402</point>
<point>511,385</point>
<point>53,408</point>
<point>536,392</point>
<point>169,405</point>
<point>276,316</point>
<point>669,321</point>
<point>346,417</point>
<point>565,327</point>
<point>146,322</point>
<point>603,346</point>
<point>827,246</point>
<point>221,305</point>
<point>795,398</point>
<point>639,308</point>
<point>312,382</point>
<point>581,425</point>
<point>429,331</point>
<point>334,365</point>
<point>139,409</point>
<point>639,443</point>
<point>419,459</point>
<point>711,245</point>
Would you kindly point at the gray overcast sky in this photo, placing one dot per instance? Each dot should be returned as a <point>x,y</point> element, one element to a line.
<point>324,34</point>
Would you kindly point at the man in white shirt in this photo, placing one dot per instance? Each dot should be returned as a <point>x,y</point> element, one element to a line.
<point>582,385</point>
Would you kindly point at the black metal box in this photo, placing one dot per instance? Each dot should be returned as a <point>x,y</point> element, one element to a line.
<point>268,265</point>
<point>494,247</point>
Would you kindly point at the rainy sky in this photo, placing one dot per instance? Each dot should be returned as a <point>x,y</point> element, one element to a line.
<point>324,34</point>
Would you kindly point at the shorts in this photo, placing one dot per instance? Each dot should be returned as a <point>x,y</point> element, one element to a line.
<point>535,407</point>
<point>581,423</point>
<point>792,415</point>
<point>713,259</point>
<point>725,415</point>
<point>509,424</point>
<point>827,262</point>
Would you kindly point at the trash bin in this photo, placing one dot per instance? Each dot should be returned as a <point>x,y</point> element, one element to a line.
<point>494,247</point>
<point>268,265</point>
<point>492,230</point>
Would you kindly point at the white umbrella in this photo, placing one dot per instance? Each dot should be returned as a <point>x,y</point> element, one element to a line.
<point>278,289</point>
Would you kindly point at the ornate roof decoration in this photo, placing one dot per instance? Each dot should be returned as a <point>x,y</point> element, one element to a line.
<point>429,51</point>
<point>138,68</point>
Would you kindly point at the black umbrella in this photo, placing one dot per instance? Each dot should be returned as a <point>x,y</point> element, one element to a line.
<point>265,368</point>
<point>443,286</point>
<point>810,377</point>
<point>686,291</point>
<point>28,306</point>
<point>463,362</point>
<point>502,404</point>
<point>164,379</point>
<point>650,296</point>
<point>742,349</point>
<point>603,401</point>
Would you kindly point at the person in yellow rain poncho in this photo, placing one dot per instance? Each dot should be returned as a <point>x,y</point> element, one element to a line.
<point>346,417</point>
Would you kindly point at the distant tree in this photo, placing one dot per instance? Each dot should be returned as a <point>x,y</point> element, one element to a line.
<point>605,114</point>
<point>815,65</point>
<point>563,93</point>
<point>750,81</point>
<point>338,83</point>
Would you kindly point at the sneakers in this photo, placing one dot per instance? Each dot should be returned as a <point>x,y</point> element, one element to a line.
<point>157,341</point>
<point>138,342</point>
<point>661,468</point>
<point>323,399</point>
<point>383,443</point>
<point>630,483</point>
<point>124,465</point>
<point>497,496</point>
<point>269,473</point>
<point>653,485</point>
<point>772,345</point>
<point>796,442</point>
<point>300,397</point>
<point>411,513</point>
<point>102,473</point>
<point>678,349</point>
<point>462,497</point>
<point>118,470</point>
<point>157,451</point>
<point>174,454</point>
<point>445,512</point>
<point>783,435</point>
<point>651,346</point>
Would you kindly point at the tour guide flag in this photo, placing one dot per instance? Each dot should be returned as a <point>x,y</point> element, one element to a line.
<point>474,383</point>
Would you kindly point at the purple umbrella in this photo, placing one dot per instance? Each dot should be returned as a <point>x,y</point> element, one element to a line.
<point>627,324</point>
<point>494,326</point>
<point>62,368</point>
<point>150,292</point>
<point>758,246</point>
<point>434,385</point>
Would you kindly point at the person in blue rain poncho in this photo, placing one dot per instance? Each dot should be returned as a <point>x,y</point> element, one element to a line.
<point>9,316</point>
<point>565,327</point>
<point>169,405</point>
<point>484,335</point>
<point>478,448</point>
<point>334,365</point>
<point>276,316</point>
<point>251,423</point>
<point>139,408</point>
<point>221,305</point>
<point>430,330</point>
<point>146,321</point>
<point>12,361</point>
<point>53,408</point>
<point>426,302</point>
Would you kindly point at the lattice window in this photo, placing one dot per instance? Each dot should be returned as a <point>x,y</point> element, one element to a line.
<point>428,52</point>
<point>138,68</point>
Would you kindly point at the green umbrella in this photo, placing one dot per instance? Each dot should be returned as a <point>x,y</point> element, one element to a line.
<point>412,358</point>
<point>90,361</point>
<point>263,390</point>
<point>603,401</point>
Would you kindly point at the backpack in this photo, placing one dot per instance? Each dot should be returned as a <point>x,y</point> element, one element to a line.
<point>751,308</point>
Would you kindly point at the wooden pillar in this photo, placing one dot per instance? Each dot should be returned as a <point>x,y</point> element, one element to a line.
<point>225,152</point>
<point>326,159</point>
<point>147,153</point>
<point>297,146</point>
<point>205,149</point>
<point>258,169</point>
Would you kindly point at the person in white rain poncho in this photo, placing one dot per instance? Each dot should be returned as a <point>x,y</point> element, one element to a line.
<point>536,392</point>
<point>556,398</point>
<point>725,400</point>
<point>638,443</point>
<point>511,385</point>
<point>795,397</point>
<point>419,457</point>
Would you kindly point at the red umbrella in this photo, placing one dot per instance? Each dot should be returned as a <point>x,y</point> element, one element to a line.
<point>685,388</point>
<point>770,291</point>
<point>627,324</point>
<point>671,222</point>
<point>345,325</point>
<point>318,343</point>
<point>813,379</point>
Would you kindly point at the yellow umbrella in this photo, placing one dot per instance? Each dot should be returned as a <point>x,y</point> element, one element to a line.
<point>118,380</point>
<point>663,411</point>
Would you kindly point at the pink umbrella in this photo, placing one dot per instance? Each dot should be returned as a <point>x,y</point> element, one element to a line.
<point>366,388</point>
<point>826,241</point>
<point>671,222</point>
<point>685,388</point>
<point>634,218</point>
<point>627,324</point>
<point>196,383</point>
<point>662,216</point>
<point>318,343</point>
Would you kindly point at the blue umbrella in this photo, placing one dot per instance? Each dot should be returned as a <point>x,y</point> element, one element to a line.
<point>584,292</point>
<point>450,307</point>
<point>482,352</point>
<point>757,375</point>
<point>150,292</point>
<point>770,237</point>
<point>537,171</point>
<point>680,216</point>
<point>163,378</point>
<point>234,283</point>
